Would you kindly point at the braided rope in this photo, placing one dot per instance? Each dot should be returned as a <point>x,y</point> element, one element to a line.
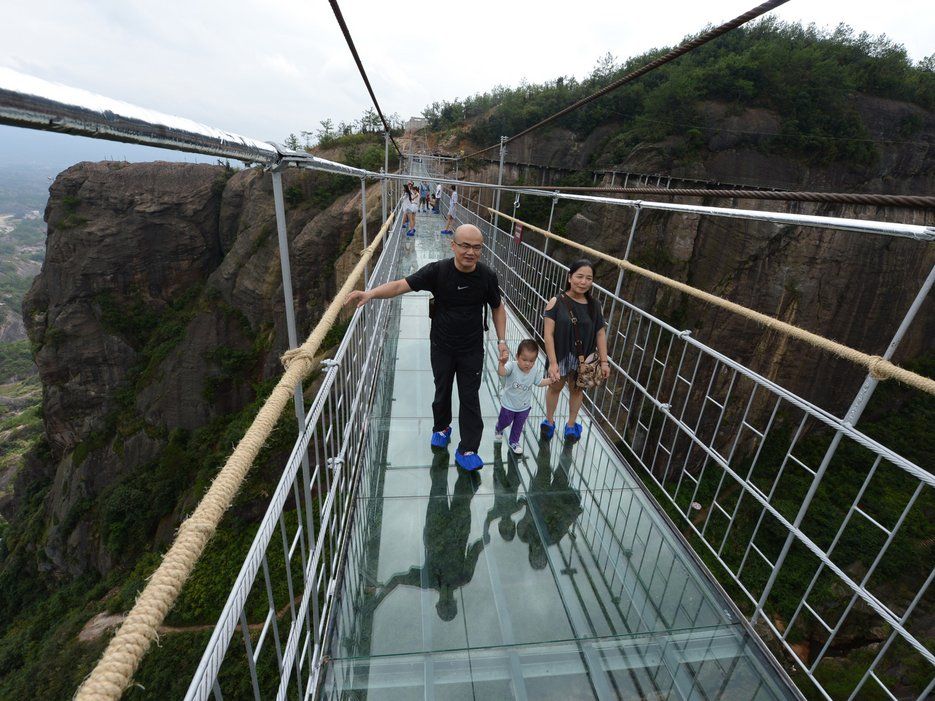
<point>120,660</point>
<point>878,367</point>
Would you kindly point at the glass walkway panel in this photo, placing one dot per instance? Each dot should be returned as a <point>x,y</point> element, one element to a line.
<point>545,576</point>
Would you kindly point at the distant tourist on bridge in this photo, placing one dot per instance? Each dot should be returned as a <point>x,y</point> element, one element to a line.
<point>438,199</point>
<point>451,209</point>
<point>462,287</point>
<point>410,207</point>
<point>423,197</point>
<point>573,328</point>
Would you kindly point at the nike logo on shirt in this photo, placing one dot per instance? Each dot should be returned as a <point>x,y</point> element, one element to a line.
<point>462,288</point>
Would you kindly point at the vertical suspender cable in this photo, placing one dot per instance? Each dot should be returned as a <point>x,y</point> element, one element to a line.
<point>360,67</point>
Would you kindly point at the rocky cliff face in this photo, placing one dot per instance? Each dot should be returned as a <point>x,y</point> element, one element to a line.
<point>158,309</point>
<point>122,240</point>
<point>850,287</point>
<point>735,147</point>
<point>853,288</point>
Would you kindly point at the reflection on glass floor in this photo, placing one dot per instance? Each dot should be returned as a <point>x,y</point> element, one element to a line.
<point>549,576</point>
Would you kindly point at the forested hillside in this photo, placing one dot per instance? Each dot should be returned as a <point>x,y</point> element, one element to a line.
<point>806,75</point>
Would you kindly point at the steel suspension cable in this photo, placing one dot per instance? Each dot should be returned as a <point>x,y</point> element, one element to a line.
<point>922,201</point>
<point>363,73</point>
<point>684,48</point>
<point>734,191</point>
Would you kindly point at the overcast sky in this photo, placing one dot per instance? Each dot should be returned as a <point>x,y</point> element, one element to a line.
<point>265,68</point>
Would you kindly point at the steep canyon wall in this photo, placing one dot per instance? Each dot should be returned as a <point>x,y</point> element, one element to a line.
<point>158,312</point>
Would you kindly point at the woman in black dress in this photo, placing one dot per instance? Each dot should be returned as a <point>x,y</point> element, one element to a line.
<point>560,346</point>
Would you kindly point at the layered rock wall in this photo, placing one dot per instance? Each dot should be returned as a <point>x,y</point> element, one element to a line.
<point>159,308</point>
<point>853,288</point>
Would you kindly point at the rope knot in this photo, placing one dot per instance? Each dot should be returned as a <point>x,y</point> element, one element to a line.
<point>293,354</point>
<point>876,365</point>
<point>195,525</point>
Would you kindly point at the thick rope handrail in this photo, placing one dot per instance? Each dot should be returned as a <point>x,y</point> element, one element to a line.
<point>114,671</point>
<point>878,367</point>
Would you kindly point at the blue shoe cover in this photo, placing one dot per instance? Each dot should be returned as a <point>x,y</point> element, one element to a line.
<point>440,439</point>
<point>468,461</point>
<point>547,429</point>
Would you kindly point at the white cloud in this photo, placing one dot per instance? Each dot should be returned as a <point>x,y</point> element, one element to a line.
<point>281,65</point>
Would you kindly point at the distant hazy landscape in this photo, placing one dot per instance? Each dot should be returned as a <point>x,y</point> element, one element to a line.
<point>23,194</point>
<point>29,162</point>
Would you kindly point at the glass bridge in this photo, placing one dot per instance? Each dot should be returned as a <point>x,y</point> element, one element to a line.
<point>380,571</point>
<point>548,576</point>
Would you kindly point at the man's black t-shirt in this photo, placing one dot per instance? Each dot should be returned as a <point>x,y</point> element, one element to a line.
<point>458,323</point>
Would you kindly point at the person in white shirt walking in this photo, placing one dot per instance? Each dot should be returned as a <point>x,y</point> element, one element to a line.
<point>410,207</point>
<point>451,209</point>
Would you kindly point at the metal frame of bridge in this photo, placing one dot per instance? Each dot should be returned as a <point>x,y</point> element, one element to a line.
<point>690,420</point>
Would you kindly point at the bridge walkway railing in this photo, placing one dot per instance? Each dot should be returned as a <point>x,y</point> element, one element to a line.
<point>804,519</point>
<point>547,576</point>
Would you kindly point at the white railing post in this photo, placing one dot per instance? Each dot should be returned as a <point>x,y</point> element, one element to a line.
<point>363,224</point>
<point>545,244</point>
<point>496,217</point>
<point>626,256</point>
<point>386,169</point>
<point>382,196</point>
<point>279,206</point>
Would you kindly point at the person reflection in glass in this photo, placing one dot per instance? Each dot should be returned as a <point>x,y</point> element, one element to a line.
<point>505,503</point>
<point>551,504</point>
<point>449,561</point>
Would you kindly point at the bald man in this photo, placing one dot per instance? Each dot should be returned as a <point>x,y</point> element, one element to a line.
<point>462,286</point>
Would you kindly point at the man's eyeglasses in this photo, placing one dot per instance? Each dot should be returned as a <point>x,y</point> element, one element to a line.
<point>478,248</point>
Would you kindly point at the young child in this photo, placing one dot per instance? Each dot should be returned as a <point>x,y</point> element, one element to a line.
<point>516,398</point>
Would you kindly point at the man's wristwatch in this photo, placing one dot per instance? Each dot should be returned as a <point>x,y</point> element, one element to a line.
<point>501,340</point>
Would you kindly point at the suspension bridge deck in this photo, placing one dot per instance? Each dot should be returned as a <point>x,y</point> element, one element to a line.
<point>549,576</point>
